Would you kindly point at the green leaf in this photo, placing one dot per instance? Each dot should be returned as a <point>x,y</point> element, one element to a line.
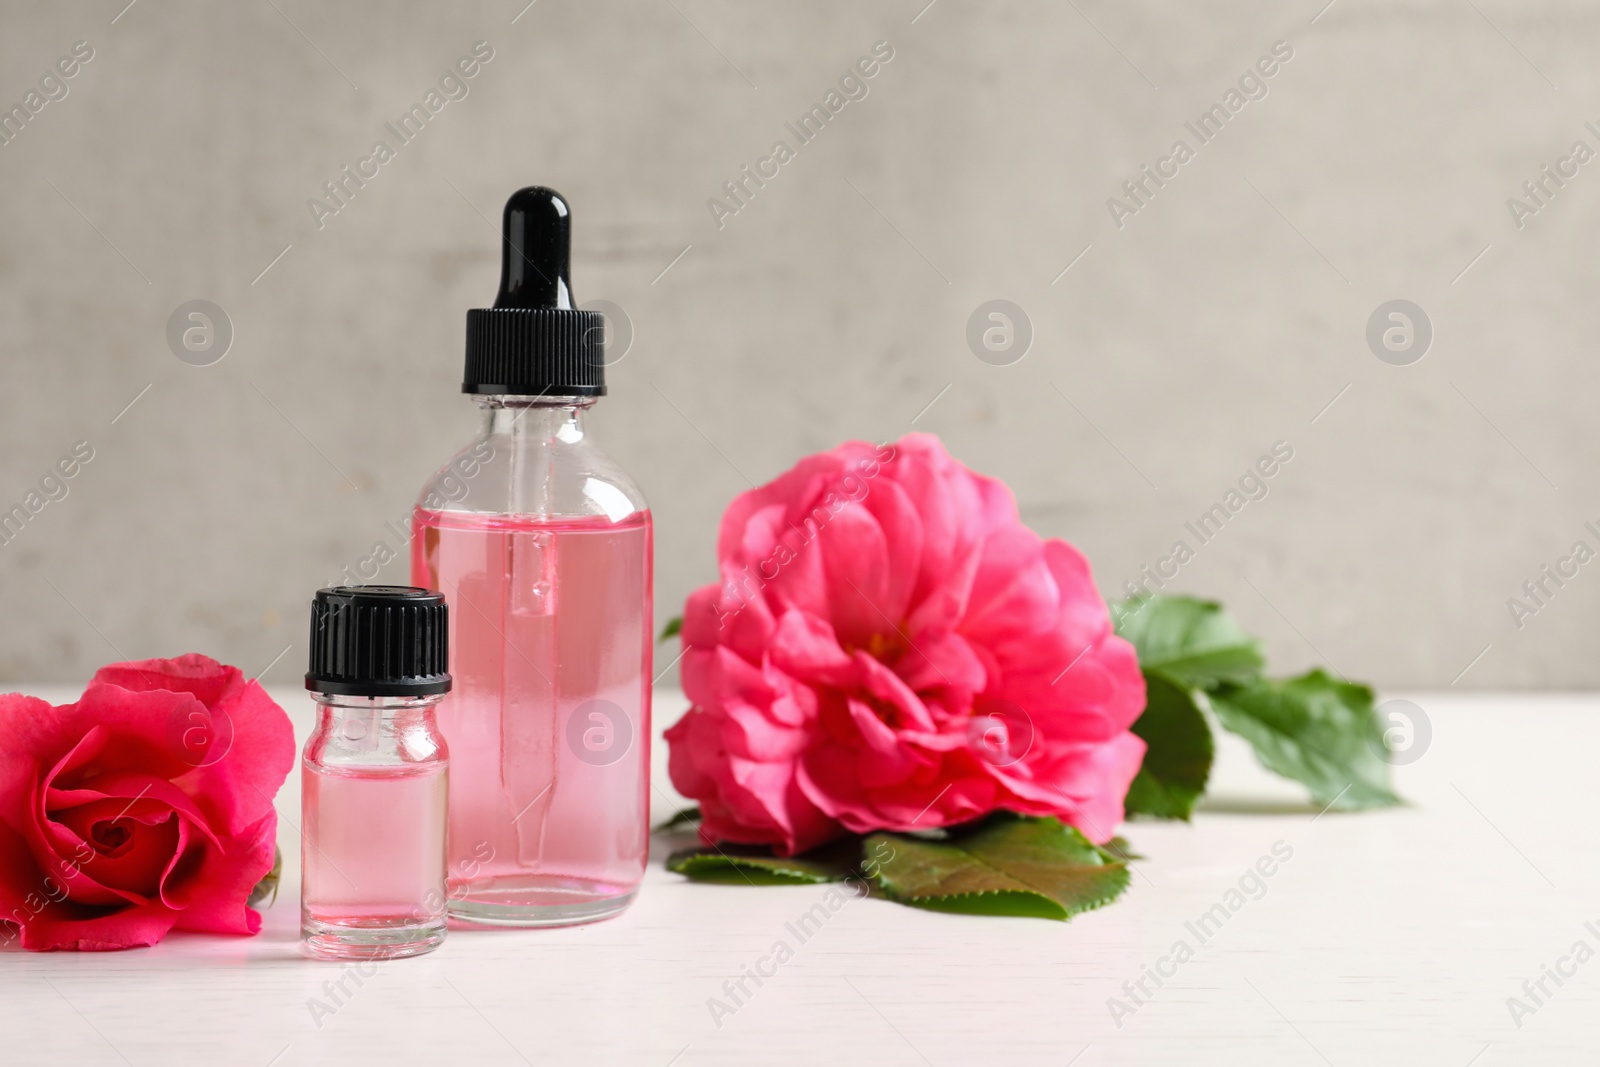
<point>747,865</point>
<point>682,817</point>
<point>1177,761</point>
<point>1030,867</point>
<point>1193,642</point>
<point>673,628</point>
<point>1316,730</point>
<point>268,886</point>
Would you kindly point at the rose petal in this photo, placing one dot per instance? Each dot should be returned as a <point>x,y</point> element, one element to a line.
<point>150,841</point>
<point>212,897</point>
<point>63,926</point>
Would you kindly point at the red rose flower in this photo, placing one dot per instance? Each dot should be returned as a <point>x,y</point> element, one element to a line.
<point>145,806</point>
<point>889,648</point>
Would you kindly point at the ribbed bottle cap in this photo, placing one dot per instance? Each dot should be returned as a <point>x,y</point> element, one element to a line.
<point>534,341</point>
<point>379,641</point>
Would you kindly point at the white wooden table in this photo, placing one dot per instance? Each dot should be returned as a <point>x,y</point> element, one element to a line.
<point>1390,937</point>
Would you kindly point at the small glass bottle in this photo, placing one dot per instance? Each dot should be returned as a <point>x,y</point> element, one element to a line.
<point>543,545</point>
<point>374,775</point>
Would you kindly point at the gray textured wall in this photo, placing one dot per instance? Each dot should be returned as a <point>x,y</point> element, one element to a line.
<point>1224,315</point>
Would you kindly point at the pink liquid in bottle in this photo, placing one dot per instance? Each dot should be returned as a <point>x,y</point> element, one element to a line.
<point>549,721</point>
<point>374,846</point>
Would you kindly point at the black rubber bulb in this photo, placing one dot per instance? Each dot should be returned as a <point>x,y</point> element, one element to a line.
<point>535,251</point>
<point>535,341</point>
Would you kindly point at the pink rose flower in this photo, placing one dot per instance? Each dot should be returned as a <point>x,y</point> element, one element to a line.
<point>145,806</point>
<point>890,648</point>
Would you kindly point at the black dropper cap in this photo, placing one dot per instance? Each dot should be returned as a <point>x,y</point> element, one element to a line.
<point>379,641</point>
<point>534,341</point>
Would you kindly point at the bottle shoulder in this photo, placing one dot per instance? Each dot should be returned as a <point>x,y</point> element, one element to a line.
<point>498,474</point>
<point>353,742</point>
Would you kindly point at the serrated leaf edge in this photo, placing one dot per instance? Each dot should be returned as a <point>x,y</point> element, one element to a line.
<point>679,861</point>
<point>1119,866</point>
<point>1067,912</point>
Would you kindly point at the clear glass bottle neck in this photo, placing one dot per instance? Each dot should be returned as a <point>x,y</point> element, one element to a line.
<point>338,702</point>
<point>535,418</point>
